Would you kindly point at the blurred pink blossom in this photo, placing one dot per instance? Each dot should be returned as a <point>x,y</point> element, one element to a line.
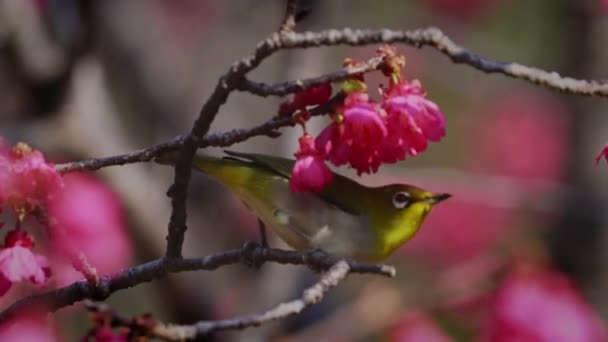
<point>522,135</point>
<point>29,327</point>
<point>417,327</point>
<point>92,221</point>
<point>541,305</point>
<point>18,263</point>
<point>27,180</point>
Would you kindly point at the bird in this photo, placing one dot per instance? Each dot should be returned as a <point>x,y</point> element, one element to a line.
<point>346,219</point>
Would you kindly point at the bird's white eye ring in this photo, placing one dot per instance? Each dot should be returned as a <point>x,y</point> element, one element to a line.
<point>401,199</point>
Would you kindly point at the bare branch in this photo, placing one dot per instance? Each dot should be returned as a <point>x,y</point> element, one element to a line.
<point>285,88</point>
<point>171,332</point>
<point>138,156</point>
<point>249,254</point>
<point>435,38</point>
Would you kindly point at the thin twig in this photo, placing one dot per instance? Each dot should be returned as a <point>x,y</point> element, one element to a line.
<point>249,254</point>
<point>138,156</point>
<point>289,20</point>
<point>290,87</point>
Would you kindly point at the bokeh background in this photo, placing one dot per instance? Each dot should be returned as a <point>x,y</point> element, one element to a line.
<point>520,250</point>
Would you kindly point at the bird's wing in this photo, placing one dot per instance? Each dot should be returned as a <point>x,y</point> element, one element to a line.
<point>334,194</point>
<point>305,220</point>
<point>277,165</point>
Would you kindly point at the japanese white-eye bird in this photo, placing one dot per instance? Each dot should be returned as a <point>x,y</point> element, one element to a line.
<point>345,219</point>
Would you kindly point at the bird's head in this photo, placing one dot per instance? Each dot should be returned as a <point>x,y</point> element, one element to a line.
<point>397,212</point>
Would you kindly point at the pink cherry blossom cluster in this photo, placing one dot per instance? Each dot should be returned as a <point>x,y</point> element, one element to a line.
<point>87,219</point>
<point>364,133</point>
<point>27,183</point>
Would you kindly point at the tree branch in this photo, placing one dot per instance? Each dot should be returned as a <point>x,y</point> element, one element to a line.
<point>171,332</point>
<point>435,38</point>
<point>290,87</point>
<point>250,254</point>
<point>224,139</point>
<point>138,156</point>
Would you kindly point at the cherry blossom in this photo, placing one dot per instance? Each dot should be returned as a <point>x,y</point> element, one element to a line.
<point>309,171</point>
<point>27,180</point>
<point>18,263</point>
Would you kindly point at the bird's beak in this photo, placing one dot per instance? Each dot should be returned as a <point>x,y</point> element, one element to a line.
<point>438,198</point>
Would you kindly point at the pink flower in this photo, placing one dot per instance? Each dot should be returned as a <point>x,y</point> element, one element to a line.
<point>412,120</point>
<point>92,221</point>
<point>312,96</point>
<point>29,327</point>
<point>417,327</point>
<point>542,306</point>
<point>26,179</point>
<point>309,97</point>
<point>329,143</point>
<point>309,171</point>
<point>363,124</point>
<point>18,263</point>
<point>603,154</point>
<point>356,136</point>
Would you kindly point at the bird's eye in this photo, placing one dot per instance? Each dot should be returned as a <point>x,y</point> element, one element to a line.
<point>401,200</point>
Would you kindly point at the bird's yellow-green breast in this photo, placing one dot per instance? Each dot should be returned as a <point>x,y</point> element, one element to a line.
<point>346,219</point>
